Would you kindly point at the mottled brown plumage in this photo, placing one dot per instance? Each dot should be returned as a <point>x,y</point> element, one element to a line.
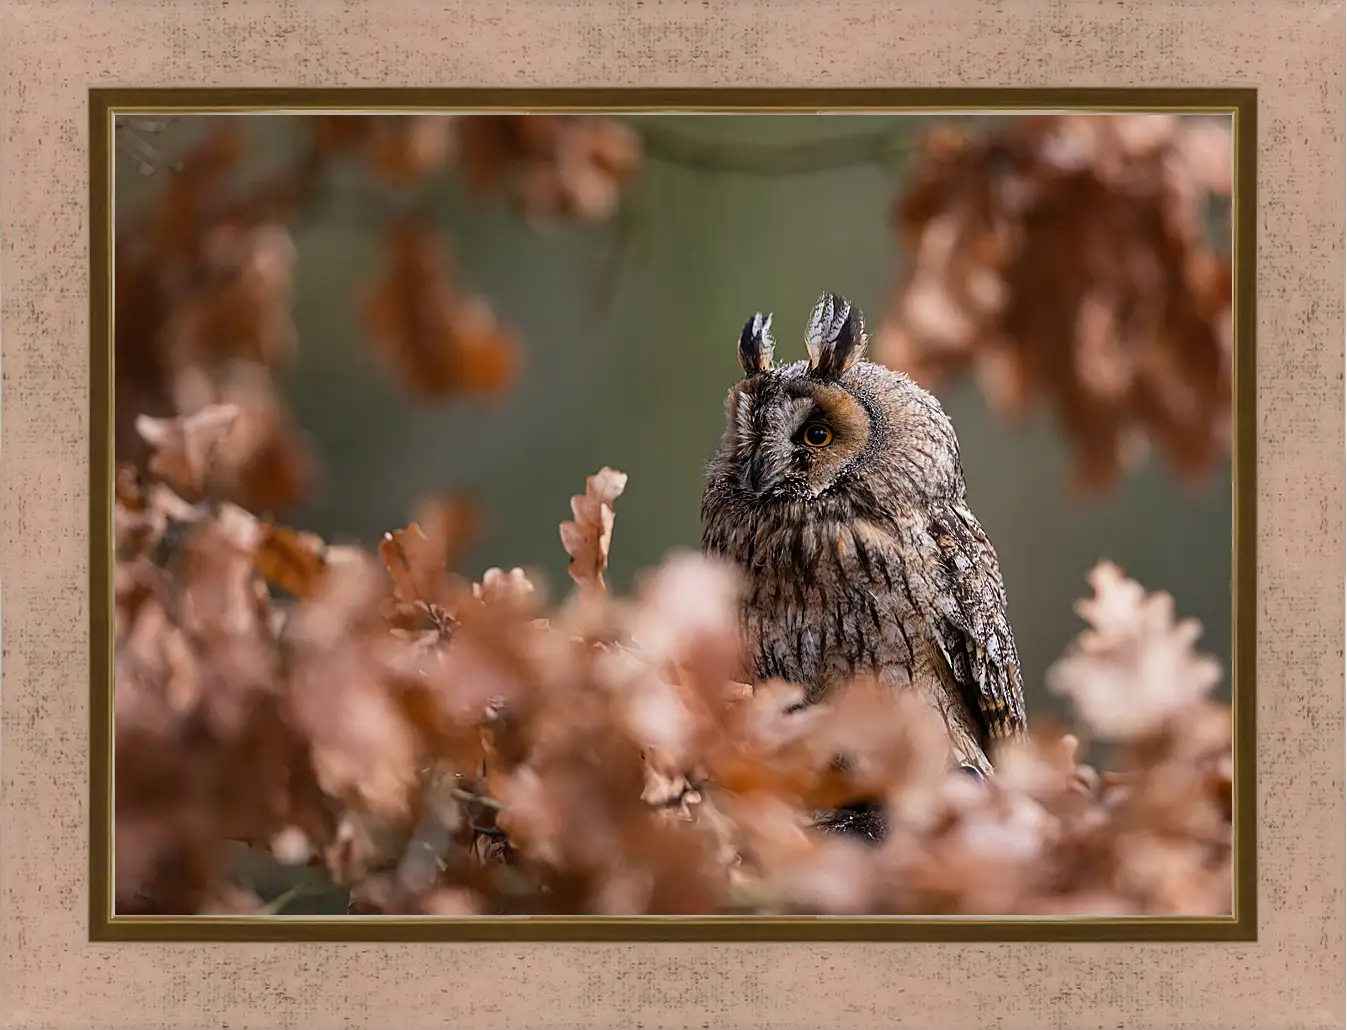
<point>837,489</point>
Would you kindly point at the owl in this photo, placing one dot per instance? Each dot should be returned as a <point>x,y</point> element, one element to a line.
<point>838,491</point>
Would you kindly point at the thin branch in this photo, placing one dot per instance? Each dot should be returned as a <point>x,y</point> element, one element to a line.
<point>277,905</point>
<point>469,798</point>
<point>777,160</point>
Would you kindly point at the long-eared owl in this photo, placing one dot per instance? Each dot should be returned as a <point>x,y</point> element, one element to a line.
<point>838,490</point>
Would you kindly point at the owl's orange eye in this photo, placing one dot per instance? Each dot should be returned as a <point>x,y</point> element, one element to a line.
<point>818,435</point>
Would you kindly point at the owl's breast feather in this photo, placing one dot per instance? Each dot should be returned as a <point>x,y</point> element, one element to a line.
<point>828,618</point>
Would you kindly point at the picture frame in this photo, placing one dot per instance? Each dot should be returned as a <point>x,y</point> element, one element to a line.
<point>1240,105</point>
<point>60,945</point>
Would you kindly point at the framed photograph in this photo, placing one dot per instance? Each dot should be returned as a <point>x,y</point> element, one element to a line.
<point>730,531</point>
<point>810,698</point>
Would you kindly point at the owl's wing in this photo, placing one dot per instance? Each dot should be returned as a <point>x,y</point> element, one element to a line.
<point>971,625</point>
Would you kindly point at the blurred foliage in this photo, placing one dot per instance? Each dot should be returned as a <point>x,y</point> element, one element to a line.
<point>1065,258</point>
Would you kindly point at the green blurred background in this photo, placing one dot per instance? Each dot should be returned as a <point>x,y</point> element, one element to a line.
<point>629,333</point>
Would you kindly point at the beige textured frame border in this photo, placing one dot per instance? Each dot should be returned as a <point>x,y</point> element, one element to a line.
<point>49,58</point>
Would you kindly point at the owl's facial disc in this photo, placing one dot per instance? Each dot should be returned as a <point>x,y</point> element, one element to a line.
<point>765,423</point>
<point>832,435</point>
<point>793,438</point>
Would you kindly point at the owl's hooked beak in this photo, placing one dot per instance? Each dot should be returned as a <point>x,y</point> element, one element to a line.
<point>754,477</point>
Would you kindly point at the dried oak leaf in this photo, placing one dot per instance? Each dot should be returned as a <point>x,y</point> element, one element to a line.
<point>1045,768</point>
<point>489,148</point>
<point>687,612</point>
<point>892,741</point>
<point>762,750</point>
<point>499,585</point>
<point>176,220</point>
<point>363,748</point>
<point>776,863</point>
<point>240,309</point>
<point>266,463</point>
<point>203,280</point>
<point>1134,668</point>
<point>452,901</point>
<point>418,559</point>
<point>230,900</point>
<point>590,163</point>
<point>291,560</point>
<point>554,166</point>
<point>185,447</point>
<point>238,441</point>
<point>1064,259</point>
<point>127,489</point>
<point>406,149</point>
<point>438,340</point>
<point>339,133</point>
<point>588,538</point>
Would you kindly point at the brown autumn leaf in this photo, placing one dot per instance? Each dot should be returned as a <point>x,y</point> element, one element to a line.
<point>734,693</point>
<point>291,560</point>
<point>364,751</point>
<point>338,133</point>
<point>418,559</point>
<point>241,311</point>
<point>487,357</point>
<point>175,223</point>
<point>448,901</point>
<point>233,305</point>
<point>497,585</point>
<point>554,167</point>
<point>266,463</point>
<point>413,562</point>
<point>203,284</point>
<point>406,149</point>
<point>489,147</point>
<point>588,777</point>
<point>1064,260</point>
<point>588,538</point>
<point>596,158</point>
<point>185,447</point>
<point>1134,668</point>
<point>126,489</point>
<point>437,339</point>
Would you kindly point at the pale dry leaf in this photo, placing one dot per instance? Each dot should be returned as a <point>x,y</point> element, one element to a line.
<point>363,749</point>
<point>1135,667</point>
<point>291,846</point>
<point>266,463</point>
<point>1207,148</point>
<point>499,585</point>
<point>588,538</point>
<point>448,901</point>
<point>688,606</point>
<point>184,447</point>
<point>293,561</point>
<point>438,339</point>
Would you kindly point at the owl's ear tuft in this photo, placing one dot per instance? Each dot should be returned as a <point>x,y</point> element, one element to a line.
<point>756,345</point>
<point>835,337</point>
